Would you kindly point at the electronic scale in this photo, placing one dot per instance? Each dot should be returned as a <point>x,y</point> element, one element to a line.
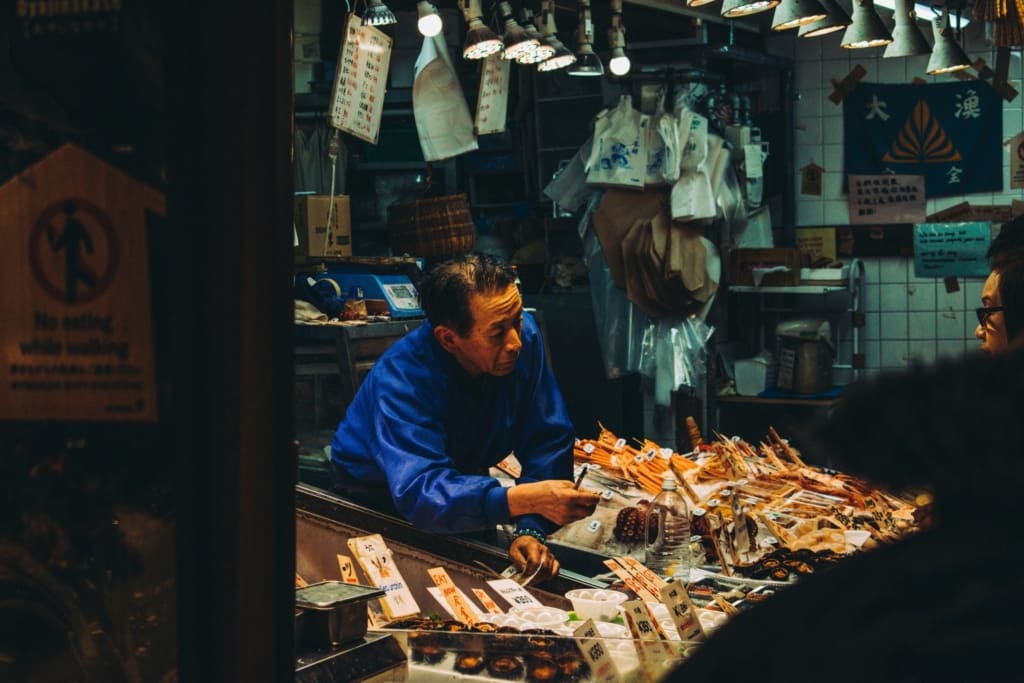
<point>384,279</point>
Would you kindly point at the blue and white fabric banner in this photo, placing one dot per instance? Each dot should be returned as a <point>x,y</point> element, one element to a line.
<point>950,133</point>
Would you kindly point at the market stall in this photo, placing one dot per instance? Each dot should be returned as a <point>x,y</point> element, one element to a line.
<point>452,609</point>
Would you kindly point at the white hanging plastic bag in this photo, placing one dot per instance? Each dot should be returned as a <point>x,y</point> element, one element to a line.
<point>692,196</point>
<point>618,156</point>
<point>662,146</point>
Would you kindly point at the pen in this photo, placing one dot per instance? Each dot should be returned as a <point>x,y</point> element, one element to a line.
<point>579,479</point>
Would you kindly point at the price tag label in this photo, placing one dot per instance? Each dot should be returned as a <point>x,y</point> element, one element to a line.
<point>684,613</point>
<point>486,601</point>
<point>374,557</point>
<point>511,466</point>
<point>347,569</point>
<point>514,594</point>
<point>593,649</point>
<point>461,608</point>
<point>654,651</point>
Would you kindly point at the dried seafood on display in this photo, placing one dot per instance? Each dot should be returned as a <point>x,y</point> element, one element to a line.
<point>641,466</point>
<point>752,502</point>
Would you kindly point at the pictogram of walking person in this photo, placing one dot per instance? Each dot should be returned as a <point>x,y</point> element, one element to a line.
<point>73,239</point>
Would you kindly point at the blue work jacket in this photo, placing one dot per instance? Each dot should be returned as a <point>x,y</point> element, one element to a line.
<point>426,429</point>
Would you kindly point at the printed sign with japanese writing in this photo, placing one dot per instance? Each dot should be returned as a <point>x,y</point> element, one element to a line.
<point>461,608</point>
<point>360,81</point>
<point>654,650</point>
<point>886,199</point>
<point>492,100</point>
<point>1016,145</point>
<point>514,594</point>
<point>683,610</point>
<point>592,647</point>
<point>75,315</point>
<point>377,563</point>
<point>951,249</point>
<point>950,133</point>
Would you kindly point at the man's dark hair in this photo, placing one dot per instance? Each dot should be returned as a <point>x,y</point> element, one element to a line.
<point>446,288</point>
<point>1008,246</point>
<point>1011,294</point>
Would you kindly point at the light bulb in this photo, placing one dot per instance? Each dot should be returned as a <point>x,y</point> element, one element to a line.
<point>429,22</point>
<point>619,63</point>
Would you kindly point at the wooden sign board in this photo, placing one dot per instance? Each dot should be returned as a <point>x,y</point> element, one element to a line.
<point>76,312</point>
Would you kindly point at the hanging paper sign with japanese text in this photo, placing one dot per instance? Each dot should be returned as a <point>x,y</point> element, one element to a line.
<point>1017,161</point>
<point>952,249</point>
<point>360,80</point>
<point>950,133</point>
<point>75,317</point>
<point>875,199</point>
<point>492,98</point>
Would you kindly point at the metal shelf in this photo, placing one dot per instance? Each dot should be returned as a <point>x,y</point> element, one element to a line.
<point>788,289</point>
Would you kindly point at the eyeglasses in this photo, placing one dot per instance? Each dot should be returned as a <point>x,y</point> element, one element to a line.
<point>985,312</point>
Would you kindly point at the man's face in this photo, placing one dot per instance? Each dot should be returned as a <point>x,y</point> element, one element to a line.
<point>992,332</point>
<point>495,340</point>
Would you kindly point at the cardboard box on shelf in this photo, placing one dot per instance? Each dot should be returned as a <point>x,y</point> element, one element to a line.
<point>744,261</point>
<point>311,223</point>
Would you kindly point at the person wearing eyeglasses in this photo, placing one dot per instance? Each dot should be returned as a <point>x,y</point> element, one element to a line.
<point>453,398</point>
<point>1001,315</point>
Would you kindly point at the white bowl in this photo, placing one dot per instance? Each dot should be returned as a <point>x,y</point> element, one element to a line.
<point>541,617</point>
<point>596,603</point>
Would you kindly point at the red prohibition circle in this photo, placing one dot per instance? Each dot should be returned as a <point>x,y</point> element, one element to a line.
<point>1020,151</point>
<point>36,244</point>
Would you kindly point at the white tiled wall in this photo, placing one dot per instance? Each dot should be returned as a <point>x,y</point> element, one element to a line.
<point>909,319</point>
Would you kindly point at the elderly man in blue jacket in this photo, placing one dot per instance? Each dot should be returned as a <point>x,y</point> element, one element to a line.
<point>453,398</point>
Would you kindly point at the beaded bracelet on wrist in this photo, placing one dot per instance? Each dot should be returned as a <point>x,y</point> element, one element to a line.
<point>531,532</point>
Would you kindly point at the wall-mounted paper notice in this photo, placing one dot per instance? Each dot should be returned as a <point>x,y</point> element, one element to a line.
<point>951,249</point>
<point>875,199</point>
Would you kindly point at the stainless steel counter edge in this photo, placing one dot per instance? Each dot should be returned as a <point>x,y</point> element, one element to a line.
<point>314,501</point>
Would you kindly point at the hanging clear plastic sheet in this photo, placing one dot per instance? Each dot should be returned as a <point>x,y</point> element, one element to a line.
<point>674,354</point>
<point>620,324</point>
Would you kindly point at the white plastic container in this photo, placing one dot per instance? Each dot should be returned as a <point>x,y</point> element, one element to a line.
<point>596,603</point>
<point>751,376</point>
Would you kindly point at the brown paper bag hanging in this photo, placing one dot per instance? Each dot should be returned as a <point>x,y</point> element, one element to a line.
<point>615,215</point>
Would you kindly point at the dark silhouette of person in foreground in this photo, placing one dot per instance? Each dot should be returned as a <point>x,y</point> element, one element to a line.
<point>944,604</point>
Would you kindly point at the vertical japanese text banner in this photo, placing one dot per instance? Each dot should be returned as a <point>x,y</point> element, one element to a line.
<point>950,133</point>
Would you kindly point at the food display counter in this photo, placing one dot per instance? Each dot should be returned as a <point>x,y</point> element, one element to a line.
<point>762,518</point>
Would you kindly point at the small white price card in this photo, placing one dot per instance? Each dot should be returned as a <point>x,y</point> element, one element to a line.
<point>593,649</point>
<point>513,593</point>
<point>684,612</point>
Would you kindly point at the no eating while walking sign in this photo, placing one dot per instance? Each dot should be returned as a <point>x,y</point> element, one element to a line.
<point>75,317</point>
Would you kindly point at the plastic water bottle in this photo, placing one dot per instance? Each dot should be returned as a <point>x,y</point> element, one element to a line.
<point>667,550</point>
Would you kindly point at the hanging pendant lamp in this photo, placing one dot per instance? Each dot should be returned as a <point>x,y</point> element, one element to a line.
<point>867,29</point>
